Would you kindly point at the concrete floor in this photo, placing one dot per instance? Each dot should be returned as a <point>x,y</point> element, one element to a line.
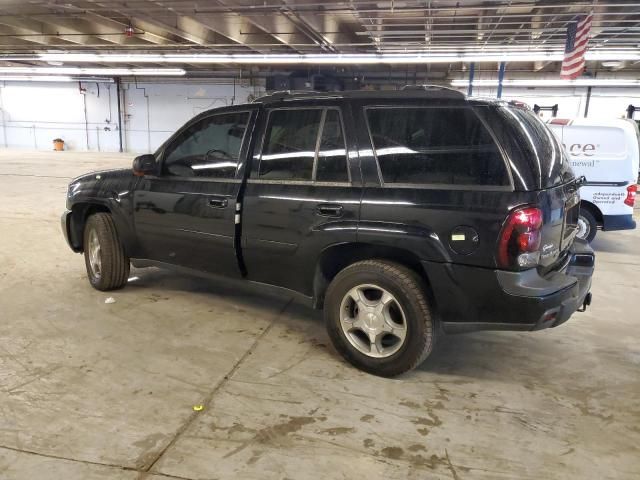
<point>90,390</point>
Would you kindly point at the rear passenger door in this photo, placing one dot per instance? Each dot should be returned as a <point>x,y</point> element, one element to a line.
<point>303,194</point>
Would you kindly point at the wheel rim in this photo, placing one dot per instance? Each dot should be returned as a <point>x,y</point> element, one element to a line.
<point>373,321</point>
<point>584,228</point>
<point>95,261</point>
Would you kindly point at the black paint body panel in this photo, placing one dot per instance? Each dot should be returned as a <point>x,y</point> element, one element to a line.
<point>280,233</point>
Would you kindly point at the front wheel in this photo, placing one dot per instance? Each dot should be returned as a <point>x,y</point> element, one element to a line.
<point>104,257</point>
<point>378,317</point>
<point>587,226</point>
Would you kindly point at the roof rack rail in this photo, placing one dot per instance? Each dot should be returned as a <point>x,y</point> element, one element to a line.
<point>434,88</point>
<point>282,94</point>
<point>519,104</point>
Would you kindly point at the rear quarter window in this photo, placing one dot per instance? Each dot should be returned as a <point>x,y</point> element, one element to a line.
<point>535,146</point>
<point>435,145</point>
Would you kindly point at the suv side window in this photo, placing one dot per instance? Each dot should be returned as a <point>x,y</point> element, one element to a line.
<point>290,145</point>
<point>446,146</point>
<point>332,154</point>
<point>208,148</point>
<point>304,145</point>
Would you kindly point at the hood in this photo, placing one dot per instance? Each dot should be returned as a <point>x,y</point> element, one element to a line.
<point>102,175</point>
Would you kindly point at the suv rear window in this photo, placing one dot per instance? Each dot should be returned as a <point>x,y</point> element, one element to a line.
<point>441,145</point>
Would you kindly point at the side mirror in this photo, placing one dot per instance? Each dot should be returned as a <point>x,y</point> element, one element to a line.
<point>144,165</point>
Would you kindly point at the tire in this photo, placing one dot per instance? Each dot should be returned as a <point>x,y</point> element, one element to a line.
<point>113,270</point>
<point>590,225</point>
<point>411,308</point>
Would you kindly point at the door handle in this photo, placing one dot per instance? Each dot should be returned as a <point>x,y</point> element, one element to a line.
<point>329,210</point>
<point>218,202</point>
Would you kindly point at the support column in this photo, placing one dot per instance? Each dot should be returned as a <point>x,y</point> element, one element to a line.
<point>472,71</point>
<point>500,78</point>
<point>586,106</point>
<point>119,112</point>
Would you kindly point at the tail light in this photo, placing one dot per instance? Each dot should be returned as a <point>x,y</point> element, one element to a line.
<point>519,243</point>
<point>631,195</point>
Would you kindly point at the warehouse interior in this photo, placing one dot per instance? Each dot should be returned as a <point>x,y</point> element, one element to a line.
<point>182,377</point>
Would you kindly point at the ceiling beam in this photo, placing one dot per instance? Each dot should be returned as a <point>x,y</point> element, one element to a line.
<point>540,65</point>
<point>42,33</point>
<point>330,30</point>
<point>181,28</point>
<point>267,28</point>
<point>10,33</point>
<point>108,33</point>
<point>150,33</point>
<point>201,31</point>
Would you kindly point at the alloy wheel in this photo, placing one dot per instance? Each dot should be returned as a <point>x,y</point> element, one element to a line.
<point>373,321</point>
<point>95,259</point>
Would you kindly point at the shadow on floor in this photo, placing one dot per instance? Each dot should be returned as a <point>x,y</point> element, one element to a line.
<point>486,355</point>
<point>610,242</point>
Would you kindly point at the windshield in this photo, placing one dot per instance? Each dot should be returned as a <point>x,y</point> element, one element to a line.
<point>536,143</point>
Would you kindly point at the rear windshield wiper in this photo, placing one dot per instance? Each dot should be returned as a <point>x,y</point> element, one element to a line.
<point>581,180</point>
<point>575,183</point>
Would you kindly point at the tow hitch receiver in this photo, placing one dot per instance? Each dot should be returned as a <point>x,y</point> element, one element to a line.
<point>585,303</point>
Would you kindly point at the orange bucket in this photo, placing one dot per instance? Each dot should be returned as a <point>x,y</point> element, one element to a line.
<point>58,145</point>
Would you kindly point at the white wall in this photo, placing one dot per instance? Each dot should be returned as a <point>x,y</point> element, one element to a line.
<point>610,102</point>
<point>32,114</point>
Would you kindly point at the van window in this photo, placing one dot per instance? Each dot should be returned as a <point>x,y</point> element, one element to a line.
<point>443,145</point>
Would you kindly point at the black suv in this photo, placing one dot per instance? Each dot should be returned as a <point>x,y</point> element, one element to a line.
<point>403,214</point>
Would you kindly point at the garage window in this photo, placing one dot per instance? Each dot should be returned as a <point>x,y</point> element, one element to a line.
<point>447,146</point>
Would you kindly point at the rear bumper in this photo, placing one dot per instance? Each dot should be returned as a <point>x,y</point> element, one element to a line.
<point>472,298</point>
<point>618,222</point>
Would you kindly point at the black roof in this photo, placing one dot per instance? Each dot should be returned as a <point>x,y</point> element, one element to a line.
<point>411,91</point>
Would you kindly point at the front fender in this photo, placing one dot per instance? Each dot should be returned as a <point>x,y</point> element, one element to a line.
<point>111,192</point>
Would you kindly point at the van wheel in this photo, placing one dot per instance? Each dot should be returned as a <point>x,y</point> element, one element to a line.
<point>107,265</point>
<point>378,317</point>
<point>587,225</point>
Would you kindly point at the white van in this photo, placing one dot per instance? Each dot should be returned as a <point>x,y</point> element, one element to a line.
<point>606,152</point>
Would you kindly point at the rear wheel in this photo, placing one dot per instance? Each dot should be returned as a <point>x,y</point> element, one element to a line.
<point>105,260</point>
<point>587,225</point>
<point>378,317</point>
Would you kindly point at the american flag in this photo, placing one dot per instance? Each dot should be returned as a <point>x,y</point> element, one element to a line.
<point>576,46</point>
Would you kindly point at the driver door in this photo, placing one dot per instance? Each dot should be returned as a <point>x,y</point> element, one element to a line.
<point>185,214</point>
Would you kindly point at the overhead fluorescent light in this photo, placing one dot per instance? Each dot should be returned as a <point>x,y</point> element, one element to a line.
<point>313,59</point>
<point>92,71</point>
<point>506,54</point>
<point>52,78</point>
<point>581,82</point>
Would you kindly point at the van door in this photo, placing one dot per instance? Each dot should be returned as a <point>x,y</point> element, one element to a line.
<point>607,155</point>
<point>302,196</point>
